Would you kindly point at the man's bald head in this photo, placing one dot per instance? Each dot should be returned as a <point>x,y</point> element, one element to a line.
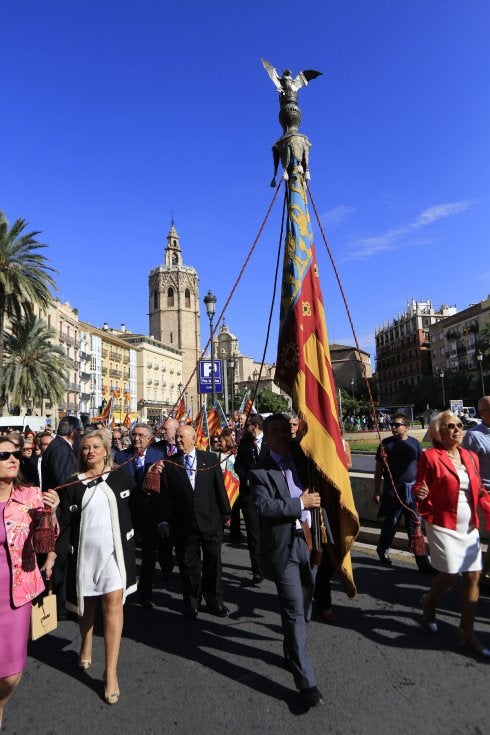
<point>185,438</point>
<point>169,428</point>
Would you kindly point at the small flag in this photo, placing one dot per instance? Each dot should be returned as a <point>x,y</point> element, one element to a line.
<point>127,421</point>
<point>232,482</point>
<point>180,410</point>
<point>202,429</point>
<point>221,415</point>
<point>106,414</point>
<point>213,422</point>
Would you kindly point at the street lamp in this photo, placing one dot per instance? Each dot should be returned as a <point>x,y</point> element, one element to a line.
<point>231,363</point>
<point>479,357</point>
<point>352,387</point>
<point>441,375</point>
<point>179,388</point>
<point>210,304</point>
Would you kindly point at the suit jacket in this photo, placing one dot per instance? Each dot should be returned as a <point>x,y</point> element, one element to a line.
<point>438,472</point>
<point>245,460</point>
<point>201,509</point>
<point>58,464</point>
<point>152,455</point>
<point>277,511</point>
<point>117,488</point>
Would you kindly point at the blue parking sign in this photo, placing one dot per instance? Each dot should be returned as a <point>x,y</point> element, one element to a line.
<point>206,379</point>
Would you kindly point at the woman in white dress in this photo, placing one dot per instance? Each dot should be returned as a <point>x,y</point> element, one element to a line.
<point>97,535</point>
<point>449,490</point>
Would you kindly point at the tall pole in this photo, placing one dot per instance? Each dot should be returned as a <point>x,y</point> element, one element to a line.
<point>479,357</point>
<point>441,375</point>
<point>210,303</point>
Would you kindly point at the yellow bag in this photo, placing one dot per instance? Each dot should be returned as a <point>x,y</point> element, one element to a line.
<point>43,615</point>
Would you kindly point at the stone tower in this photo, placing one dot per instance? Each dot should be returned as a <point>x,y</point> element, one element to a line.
<point>174,309</point>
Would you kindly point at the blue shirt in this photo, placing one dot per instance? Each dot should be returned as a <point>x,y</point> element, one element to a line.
<point>478,440</point>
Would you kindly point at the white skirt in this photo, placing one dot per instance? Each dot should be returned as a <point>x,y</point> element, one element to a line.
<point>456,551</point>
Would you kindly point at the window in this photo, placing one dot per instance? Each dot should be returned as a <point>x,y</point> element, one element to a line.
<point>170,297</point>
<point>175,259</point>
<point>171,337</point>
<point>187,299</point>
<point>155,299</point>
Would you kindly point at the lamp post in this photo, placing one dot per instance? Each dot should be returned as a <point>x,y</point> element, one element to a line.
<point>479,357</point>
<point>352,387</point>
<point>231,363</point>
<point>210,304</point>
<point>441,375</point>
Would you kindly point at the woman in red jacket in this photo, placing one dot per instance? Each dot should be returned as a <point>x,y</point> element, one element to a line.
<point>449,489</point>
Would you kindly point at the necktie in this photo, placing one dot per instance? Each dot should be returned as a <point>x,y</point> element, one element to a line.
<point>255,450</point>
<point>188,465</point>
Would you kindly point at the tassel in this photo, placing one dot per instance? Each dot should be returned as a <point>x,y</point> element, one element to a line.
<point>416,544</point>
<point>43,538</point>
<point>152,483</point>
<point>273,182</point>
<point>285,176</point>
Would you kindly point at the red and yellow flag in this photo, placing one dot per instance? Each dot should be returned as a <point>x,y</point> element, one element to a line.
<point>180,411</point>
<point>202,431</point>
<point>127,421</point>
<point>232,482</point>
<point>106,414</point>
<point>304,371</point>
<point>213,422</point>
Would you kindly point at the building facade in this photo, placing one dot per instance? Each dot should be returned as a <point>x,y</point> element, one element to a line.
<point>403,354</point>
<point>351,368</point>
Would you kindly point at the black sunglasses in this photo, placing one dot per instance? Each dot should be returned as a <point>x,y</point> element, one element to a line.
<point>452,426</point>
<point>397,424</point>
<point>6,455</point>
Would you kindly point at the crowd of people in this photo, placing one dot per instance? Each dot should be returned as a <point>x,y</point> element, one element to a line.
<point>106,492</point>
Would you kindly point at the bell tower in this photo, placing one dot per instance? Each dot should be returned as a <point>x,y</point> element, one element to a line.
<point>174,307</point>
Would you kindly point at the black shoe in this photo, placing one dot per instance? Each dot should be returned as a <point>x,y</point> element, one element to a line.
<point>311,697</point>
<point>384,558</point>
<point>257,579</point>
<point>424,565</point>
<point>220,611</point>
<point>147,604</point>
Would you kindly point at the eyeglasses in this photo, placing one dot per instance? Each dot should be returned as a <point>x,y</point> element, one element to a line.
<point>397,424</point>
<point>7,455</point>
<point>452,426</point>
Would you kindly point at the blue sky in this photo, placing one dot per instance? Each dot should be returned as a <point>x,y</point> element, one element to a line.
<point>117,113</point>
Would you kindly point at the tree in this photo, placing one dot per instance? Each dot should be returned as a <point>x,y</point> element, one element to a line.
<point>34,369</point>
<point>25,276</point>
<point>269,402</point>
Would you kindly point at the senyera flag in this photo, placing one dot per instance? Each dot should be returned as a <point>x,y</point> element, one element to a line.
<point>106,414</point>
<point>304,372</point>
<point>202,430</point>
<point>232,482</point>
<point>180,411</point>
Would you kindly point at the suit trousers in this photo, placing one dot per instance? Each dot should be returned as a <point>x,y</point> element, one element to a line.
<point>295,589</point>
<point>200,577</point>
<point>253,531</point>
<point>153,546</point>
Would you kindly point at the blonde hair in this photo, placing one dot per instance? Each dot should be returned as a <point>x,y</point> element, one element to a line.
<point>434,430</point>
<point>106,441</point>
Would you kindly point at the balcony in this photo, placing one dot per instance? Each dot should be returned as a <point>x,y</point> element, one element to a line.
<point>84,396</point>
<point>70,340</point>
<point>84,355</point>
<point>115,373</point>
<point>113,355</point>
<point>156,381</point>
<point>104,371</point>
<point>63,337</point>
<point>85,376</point>
<point>149,381</point>
<point>126,359</point>
<point>71,406</point>
<point>104,352</point>
<point>126,375</point>
<point>72,387</point>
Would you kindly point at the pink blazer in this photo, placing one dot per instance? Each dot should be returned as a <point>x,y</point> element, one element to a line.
<point>441,505</point>
<point>21,515</point>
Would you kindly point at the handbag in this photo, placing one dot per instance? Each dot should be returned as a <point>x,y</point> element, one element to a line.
<point>44,618</point>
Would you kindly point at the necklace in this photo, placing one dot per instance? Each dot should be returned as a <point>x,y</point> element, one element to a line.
<point>453,456</point>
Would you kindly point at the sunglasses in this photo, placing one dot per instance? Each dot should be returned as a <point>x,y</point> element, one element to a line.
<point>397,424</point>
<point>452,426</point>
<point>6,455</point>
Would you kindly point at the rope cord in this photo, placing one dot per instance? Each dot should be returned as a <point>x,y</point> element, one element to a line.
<point>232,292</point>
<point>363,367</point>
<point>274,291</point>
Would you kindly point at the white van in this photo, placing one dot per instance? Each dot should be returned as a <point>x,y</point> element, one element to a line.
<point>19,423</point>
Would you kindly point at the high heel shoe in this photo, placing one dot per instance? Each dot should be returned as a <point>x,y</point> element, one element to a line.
<point>431,625</point>
<point>473,643</point>
<point>110,697</point>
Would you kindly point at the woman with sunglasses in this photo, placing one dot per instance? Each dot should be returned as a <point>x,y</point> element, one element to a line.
<point>20,577</point>
<point>449,490</point>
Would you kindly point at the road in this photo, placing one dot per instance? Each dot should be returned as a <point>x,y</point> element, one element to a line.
<point>363,462</point>
<point>378,669</point>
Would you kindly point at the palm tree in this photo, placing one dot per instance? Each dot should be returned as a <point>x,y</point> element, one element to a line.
<point>25,276</point>
<point>34,369</point>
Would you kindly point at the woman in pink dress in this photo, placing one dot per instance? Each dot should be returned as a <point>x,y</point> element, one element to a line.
<point>20,578</point>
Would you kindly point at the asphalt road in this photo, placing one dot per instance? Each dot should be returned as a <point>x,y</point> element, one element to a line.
<point>363,462</point>
<point>379,670</point>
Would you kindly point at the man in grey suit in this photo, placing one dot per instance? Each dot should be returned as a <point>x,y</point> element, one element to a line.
<point>283,502</point>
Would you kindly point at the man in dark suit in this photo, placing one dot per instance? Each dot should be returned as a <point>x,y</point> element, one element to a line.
<point>283,503</point>
<point>252,448</point>
<point>144,509</point>
<point>59,461</point>
<point>167,444</point>
<point>194,506</point>
<point>58,465</point>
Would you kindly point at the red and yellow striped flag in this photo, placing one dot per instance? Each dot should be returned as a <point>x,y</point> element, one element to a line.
<point>304,371</point>
<point>180,411</point>
<point>213,422</point>
<point>202,431</point>
<point>232,482</point>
